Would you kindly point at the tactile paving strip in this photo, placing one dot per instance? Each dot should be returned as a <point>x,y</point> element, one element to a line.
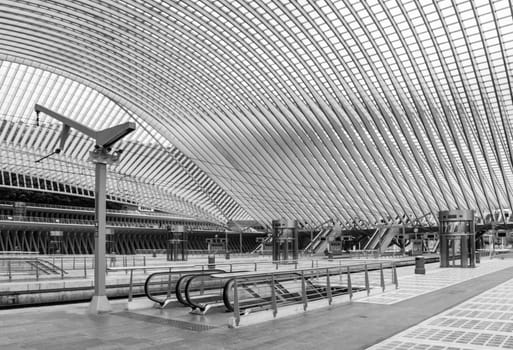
<point>415,285</point>
<point>484,322</point>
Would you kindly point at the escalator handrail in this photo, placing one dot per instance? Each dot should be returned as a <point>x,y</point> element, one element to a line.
<point>181,280</point>
<point>147,282</point>
<point>191,303</point>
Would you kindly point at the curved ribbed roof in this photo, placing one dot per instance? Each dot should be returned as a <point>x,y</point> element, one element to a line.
<point>359,111</point>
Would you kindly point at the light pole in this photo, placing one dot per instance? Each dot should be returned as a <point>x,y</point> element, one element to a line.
<point>101,155</point>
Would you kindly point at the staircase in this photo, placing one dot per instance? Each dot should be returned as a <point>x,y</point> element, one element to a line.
<point>382,238</point>
<point>320,242</point>
<point>45,267</point>
<point>258,249</point>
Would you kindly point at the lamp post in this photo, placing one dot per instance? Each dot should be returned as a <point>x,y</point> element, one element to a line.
<point>101,155</point>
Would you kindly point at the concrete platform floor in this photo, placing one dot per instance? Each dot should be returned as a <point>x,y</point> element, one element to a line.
<point>357,325</point>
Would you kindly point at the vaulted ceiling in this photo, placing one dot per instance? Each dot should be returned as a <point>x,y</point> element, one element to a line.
<point>356,111</point>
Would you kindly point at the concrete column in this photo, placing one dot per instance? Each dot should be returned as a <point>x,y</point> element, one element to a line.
<point>99,302</point>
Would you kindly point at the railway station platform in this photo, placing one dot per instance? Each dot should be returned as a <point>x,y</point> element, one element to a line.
<point>443,309</point>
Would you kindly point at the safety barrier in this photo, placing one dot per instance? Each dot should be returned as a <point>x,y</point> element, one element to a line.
<point>247,293</point>
<point>15,267</point>
<point>232,266</point>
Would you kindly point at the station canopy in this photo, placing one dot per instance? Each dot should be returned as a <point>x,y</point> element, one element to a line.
<point>359,112</point>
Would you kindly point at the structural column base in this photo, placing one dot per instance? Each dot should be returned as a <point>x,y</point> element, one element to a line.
<point>99,304</point>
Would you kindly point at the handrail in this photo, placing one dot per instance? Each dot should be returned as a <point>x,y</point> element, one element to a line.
<point>174,269</point>
<point>262,292</point>
<point>206,293</point>
<point>230,265</point>
<point>205,290</point>
<point>168,285</point>
<point>23,266</point>
<point>312,242</point>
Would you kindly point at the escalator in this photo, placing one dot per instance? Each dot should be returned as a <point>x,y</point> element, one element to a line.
<point>163,287</point>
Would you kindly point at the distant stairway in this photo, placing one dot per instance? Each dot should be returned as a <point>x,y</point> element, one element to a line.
<point>382,238</point>
<point>320,242</point>
<point>45,267</point>
<point>265,242</point>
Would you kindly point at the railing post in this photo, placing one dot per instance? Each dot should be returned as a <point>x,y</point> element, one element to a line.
<point>231,267</point>
<point>394,274</point>
<point>9,269</point>
<point>73,262</point>
<point>303,291</point>
<point>382,277</point>
<point>37,271</point>
<point>85,267</point>
<point>273,297</point>
<point>62,269</point>
<point>349,286</point>
<point>328,286</point>
<point>130,285</point>
<point>312,264</point>
<point>168,294</point>
<point>255,267</point>
<point>367,280</point>
<point>133,260</point>
<point>236,311</point>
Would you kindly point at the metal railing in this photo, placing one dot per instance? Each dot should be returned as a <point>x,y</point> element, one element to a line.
<point>137,213</point>
<point>248,293</point>
<point>167,286</point>
<point>242,291</point>
<point>31,268</point>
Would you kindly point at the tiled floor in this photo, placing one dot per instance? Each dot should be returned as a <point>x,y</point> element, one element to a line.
<point>482,322</point>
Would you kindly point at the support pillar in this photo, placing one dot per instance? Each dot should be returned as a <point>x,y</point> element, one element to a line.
<point>99,302</point>
<point>276,225</point>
